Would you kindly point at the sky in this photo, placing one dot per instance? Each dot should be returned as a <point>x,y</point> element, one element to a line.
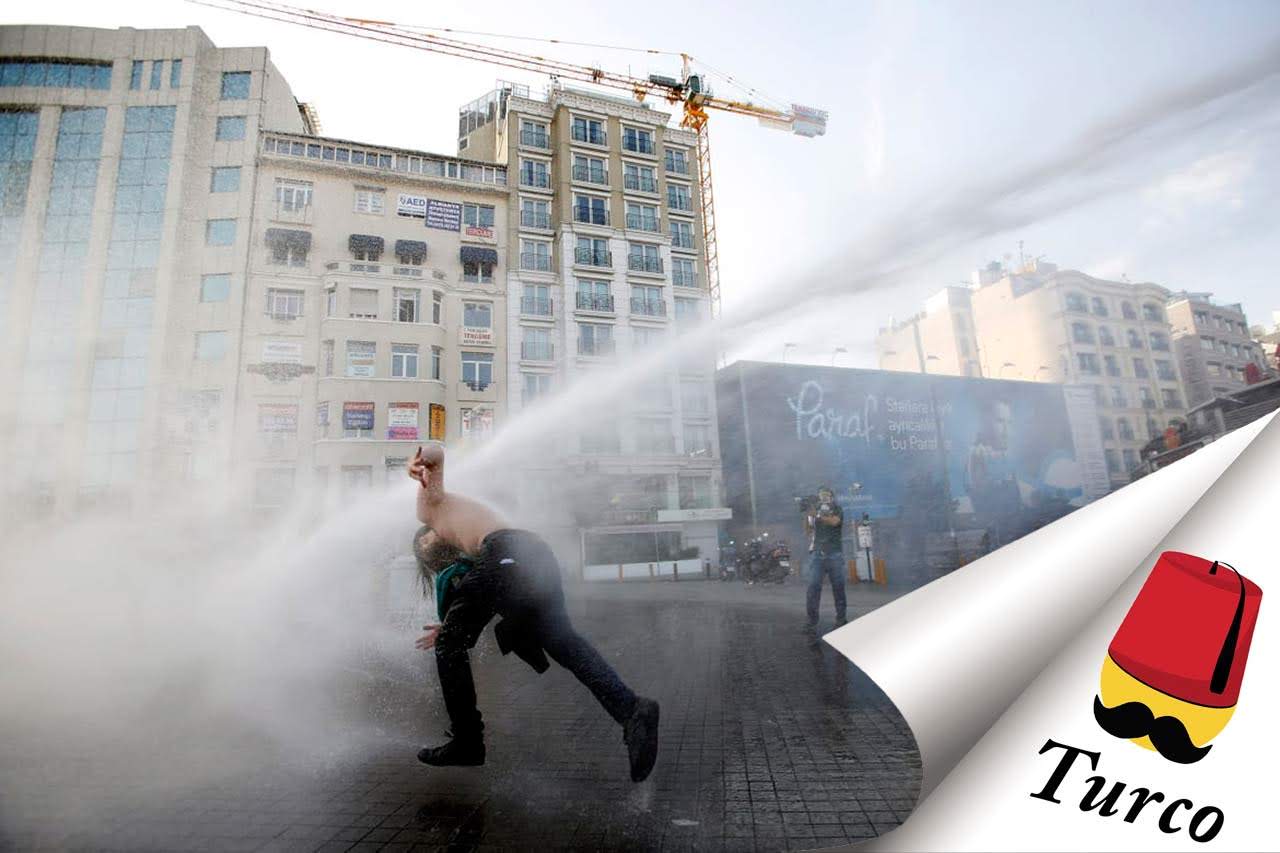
<point>928,102</point>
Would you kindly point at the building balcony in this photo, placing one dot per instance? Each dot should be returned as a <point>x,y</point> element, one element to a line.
<point>579,133</point>
<point>592,258</point>
<point>678,242</point>
<point>590,217</point>
<point>648,307</point>
<point>684,279</point>
<point>477,392</point>
<point>638,145</point>
<point>537,352</point>
<point>680,205</point>
<point>535,262</point>
<point>379,269</point>
<point>596,348</point>
<point>588,175</point>
<point>297,214</point>
<point>601,303</point>
<point>535,139</point>
<point>677,167</point>
<point>642,223</point>
<point>536,180</point>
<point>640,183</point>
<point>640,263</point>
<point>534,219</point>
<point>534,307</point>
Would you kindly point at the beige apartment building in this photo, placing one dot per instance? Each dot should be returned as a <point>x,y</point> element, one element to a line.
<point>1049,325</point>
<point>375,311</point>
<point>128,158</point>
<point>1213,344</point>
<point>947,324</point>
<point>607,263</point>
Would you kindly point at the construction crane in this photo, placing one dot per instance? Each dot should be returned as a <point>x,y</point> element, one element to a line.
<point>690,90</point>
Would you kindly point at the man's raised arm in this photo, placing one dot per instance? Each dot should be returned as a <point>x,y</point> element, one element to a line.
<point>427,467</point>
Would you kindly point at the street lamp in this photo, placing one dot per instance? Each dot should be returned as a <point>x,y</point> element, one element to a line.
<point>786,347</point>
<point>835,353</point>
<point>1043,367</point>
<point>1003,366</point>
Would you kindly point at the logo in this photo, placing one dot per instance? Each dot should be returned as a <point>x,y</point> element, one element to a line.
<point>1171,678</point>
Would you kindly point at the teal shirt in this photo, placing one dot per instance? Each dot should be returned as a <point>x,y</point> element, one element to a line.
<point>443,579</point>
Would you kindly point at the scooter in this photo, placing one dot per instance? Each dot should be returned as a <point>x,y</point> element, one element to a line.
<point>762,561</point>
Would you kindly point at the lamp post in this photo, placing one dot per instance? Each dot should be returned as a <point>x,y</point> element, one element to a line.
<point>835,353</point>
<point>786,347</point>
<point>1003,366</point>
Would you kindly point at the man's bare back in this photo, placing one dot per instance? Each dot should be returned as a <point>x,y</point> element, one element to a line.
<point>456,520</point>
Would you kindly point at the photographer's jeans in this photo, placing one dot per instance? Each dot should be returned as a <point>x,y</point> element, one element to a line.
<point>829,565</point>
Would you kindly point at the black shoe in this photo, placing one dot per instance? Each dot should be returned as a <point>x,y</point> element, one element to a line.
<point>809,629</point>
<point>454,753</point>
<point>640,733</point>
<point>841,622</point>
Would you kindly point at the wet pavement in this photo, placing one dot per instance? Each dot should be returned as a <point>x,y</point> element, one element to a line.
<point>768,743</point>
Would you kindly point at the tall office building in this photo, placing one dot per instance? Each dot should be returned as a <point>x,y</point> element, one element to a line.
<point>1213,344</point>
<point>607,262</point>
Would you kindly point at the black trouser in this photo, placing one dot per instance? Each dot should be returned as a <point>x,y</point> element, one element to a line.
<point>517,576</point>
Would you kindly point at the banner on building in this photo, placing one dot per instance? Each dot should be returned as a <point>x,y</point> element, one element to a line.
<point>479,231</point>
<point>474,335</point>
<point>477,422</point>
<point>445,215</point>
<point>276,417</point>
<point>322,414</point>
<point>402,421</point>
<point>435,415</point>
<point>282,352</point>
<point>411,205</point>
<point>357,415</point>
<point>361,356</point>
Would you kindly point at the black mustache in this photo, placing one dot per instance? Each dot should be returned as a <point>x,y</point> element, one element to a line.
<point>1133,720</point>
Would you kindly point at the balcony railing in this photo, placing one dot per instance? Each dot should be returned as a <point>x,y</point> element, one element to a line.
<point>541,180</point>
<point>590,135</point>
<point>537,352</point>
<point>534,261</point>
<point>602,302</point>
<point>367,268</point>
<point>640,183</point>
<point>677,167</point>
<point>651,444</point>
<point>640,222</point>
<point>534,139</point>
<point>532,306</point>
<point>680,202</point>
<point>590,217</point>
<point>590,175</point>
<point>637,143</point>
<point>648,307</point>
<point>684,279</point>
<point>592,257</point>
<point>642,263</point>
<point>682,241</point>
<point>535,219</point>
<point>596,348</point>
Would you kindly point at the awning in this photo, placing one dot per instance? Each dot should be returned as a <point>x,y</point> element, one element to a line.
<point>289,237</point>
<point>365,243</point>
<point>479,255</point>
<point>416,248</point>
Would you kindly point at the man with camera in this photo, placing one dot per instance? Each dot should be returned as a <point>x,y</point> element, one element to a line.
<point>824,522</point>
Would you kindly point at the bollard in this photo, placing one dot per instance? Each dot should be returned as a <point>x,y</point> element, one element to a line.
<point>881,576</point>
<point>675,571</point>
<point>619,571</point>
<point>852,567</point>
<point>651,573</point>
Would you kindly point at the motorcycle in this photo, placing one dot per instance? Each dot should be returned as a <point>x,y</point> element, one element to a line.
<point>763,561</point>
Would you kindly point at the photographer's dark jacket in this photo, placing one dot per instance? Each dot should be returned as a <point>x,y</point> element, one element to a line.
<point>827,537</point>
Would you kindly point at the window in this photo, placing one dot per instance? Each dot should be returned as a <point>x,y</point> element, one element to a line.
<point>647,301</point>
<point>639,178</point>
<point>1126,310</point>
<point>1099,306</point>
<point>1135,340</point>
<point>594,295</point>
<point>1130,459</point>
<point>535,213</point>
<point>1160,342</point>
<point>361,358</point>
<point>437,307</point>
<point>331,302</point>
<point>293,196</point>
<point>678,197</point>
<point>135,75</point>
<point>681,234</point>
<point>362,303</point>
<point>157,73</point>
<point>642,216</point>
<point>220,232</point>
<point>1124,429</point>
<point>1111,364</point>
<point>533,134</point>
<point>1088,362</point>
<point>1105,427</point>
<point>288,253</point>
<point>1118,398</point>
<point>404,361</point>
<point>1105,337</point>
<point>1171,398</point>
<point>1140,368</point>
<point>536,345</point>
<point>592,170</point>
<point>326,357</point>
<point>695,492</point>
<point>1076,302</point>
<point>644,338</point>
<point>535,255</point>
<point>1113,462</point>
<point>677,160</point>
<point>1235,350</point>
<point>1147,400</point>
<point>477,315</point>
<point>1164,370</point>
<point>653,435</point>
<point>225,179</point>
<point>595,339</point>
<point>697,439</point>
<point>1081,333</point>
<point>211,346</point>
<point>478,272</point>
<point>1201,318</point>
<point>635,139</point>
<point>215,288</point>
<point>477,370</point>
<point>535,385</point>
<point>588,130</point>
<point>477,215</point>
<point>175,74</point>
<point>230,128</point>
<point>1152,312</point>
<point>406,304</point>
<point>643,257</point>
<point>682,274</point>
<point>694,399</point>
<point>235,85</point>
<point>535,173</point>
<point>284,304</point>
<point>592,252</point>
<point>370,200</point>
<point>687,310</point>
<point>589,209</point>
<point>601,438</point>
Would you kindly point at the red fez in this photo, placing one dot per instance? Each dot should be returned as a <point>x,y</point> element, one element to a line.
<point>1188,632</point>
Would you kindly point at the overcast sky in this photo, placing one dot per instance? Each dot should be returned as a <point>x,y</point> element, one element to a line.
<point>925,101</point>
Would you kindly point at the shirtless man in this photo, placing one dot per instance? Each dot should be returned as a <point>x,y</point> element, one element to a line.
<point>515,575</point>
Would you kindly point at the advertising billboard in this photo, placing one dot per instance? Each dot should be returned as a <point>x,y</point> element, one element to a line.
<point>402,421</point>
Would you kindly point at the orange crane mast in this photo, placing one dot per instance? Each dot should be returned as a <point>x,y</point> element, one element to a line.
<point>690,90</point>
